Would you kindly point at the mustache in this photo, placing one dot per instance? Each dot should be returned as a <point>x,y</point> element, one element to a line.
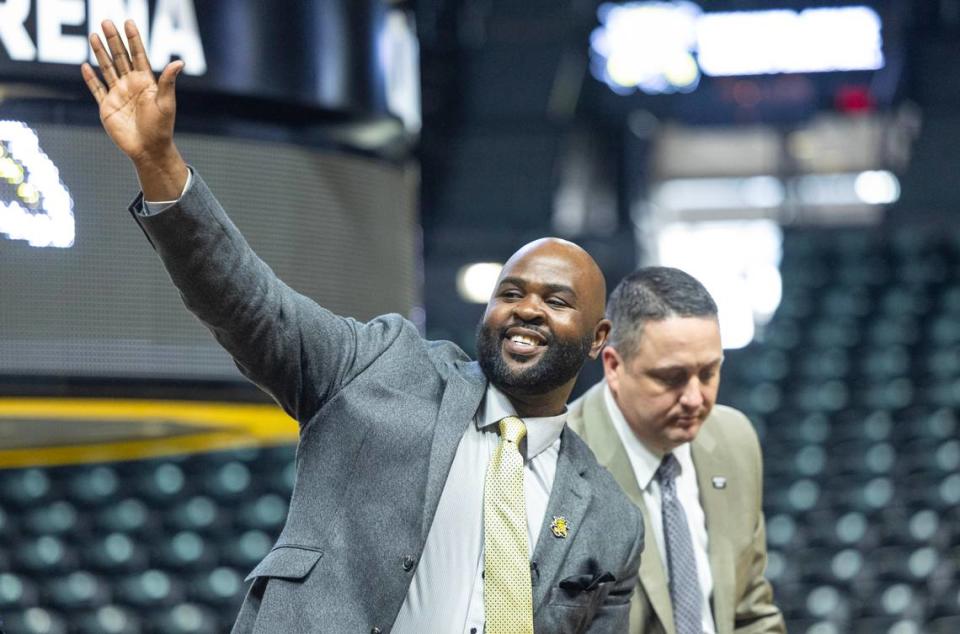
<point>518,323</point>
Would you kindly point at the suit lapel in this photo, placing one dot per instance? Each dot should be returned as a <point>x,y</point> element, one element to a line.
<point>569,499</point>
<point>610,452</point>
<point>606,445</point>
<point>715,503</point>
<point>461,398</point>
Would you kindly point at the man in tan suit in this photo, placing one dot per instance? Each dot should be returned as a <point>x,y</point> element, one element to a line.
<point>695,470</point>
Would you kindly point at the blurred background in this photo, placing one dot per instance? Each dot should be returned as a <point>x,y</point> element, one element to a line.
<point>797,157</point>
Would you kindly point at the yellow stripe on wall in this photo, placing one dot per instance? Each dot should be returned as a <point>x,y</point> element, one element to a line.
<point>219,426</point>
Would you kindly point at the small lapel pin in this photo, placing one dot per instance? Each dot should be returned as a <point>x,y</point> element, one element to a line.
<point>559,527</point>
<point>719,482</point>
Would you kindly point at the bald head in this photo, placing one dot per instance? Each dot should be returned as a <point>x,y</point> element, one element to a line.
<point>568,260</point>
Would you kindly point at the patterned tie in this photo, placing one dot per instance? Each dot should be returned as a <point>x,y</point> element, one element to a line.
<point>507,593</point>
<point>684,582</point>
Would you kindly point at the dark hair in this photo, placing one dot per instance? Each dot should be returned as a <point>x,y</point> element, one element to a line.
<point>653,293</point>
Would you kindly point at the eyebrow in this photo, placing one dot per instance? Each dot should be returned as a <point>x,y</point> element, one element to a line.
<point>553,288</point>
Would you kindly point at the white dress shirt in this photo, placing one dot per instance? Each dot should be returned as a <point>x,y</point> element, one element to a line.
<point>645,464</point>
<point>153,207</point>
<point>446,594</point>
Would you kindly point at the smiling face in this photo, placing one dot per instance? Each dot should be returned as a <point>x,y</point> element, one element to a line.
<point>668,386</point>
<point>544,320</point>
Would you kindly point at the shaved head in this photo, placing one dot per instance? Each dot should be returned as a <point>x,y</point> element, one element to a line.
<point>594,285</point>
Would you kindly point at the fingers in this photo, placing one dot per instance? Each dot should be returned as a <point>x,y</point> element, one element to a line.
<point>93,83</point>
<point>140,61</point>
<point>103,59</point>
<point>116,62</point>
<point>121,60</point>
<point>166,94</point>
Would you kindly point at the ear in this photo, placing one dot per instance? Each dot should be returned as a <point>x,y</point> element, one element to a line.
<point>612,362</point>
<point>600,334</point>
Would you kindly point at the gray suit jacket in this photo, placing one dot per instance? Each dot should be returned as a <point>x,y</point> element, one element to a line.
<point>381,412</point>
<point>725,448</point>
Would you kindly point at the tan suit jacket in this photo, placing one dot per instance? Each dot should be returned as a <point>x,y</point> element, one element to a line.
<point>729,466</point>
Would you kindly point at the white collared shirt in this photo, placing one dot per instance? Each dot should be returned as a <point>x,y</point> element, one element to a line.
<point>446,593</point>
<point>645,464</point>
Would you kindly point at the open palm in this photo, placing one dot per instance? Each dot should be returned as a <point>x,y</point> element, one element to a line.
<point>137,111</point>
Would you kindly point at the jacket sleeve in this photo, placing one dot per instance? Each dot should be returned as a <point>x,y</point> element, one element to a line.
<point>755,611</point>
<point>297,351</point>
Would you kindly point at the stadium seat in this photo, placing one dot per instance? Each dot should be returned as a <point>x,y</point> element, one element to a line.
<point>150,589</point>
<point>199,513</point>
<point>183,551</point>
<point>92,486</point>
<point>115,554</point>
<point>77,590</point>
<point>221,586</point>
<point>35,620</point>
<point>129,515</point>
<point>57,518</point>
<point>186,618</point>
<point>109,619</point>
<point>17,592</point>
<point>246,550</point>
<point>161,483</point>
<point>44,556</point>
<point>266,512</point>
<point>24,488</point>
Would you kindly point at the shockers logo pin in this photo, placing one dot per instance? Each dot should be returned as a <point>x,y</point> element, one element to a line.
<point>559,527</point>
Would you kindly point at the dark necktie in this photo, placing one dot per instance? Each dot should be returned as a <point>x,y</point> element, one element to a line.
<point>685,591</point>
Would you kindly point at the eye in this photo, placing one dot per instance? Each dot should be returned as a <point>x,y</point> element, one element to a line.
<point>672,379</point>
<point>710,373</point>
<point>511,293</point>
<point>556,301</point>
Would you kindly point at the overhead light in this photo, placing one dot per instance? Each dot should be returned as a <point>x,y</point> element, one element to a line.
<point>754,192</point>
<point>664,47</point>
<point>786,41</point>
<point>738,261</point>
<point>475,282</point>
<point>877,187</point>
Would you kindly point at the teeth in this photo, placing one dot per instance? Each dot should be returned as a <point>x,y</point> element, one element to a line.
<point>524,340</point>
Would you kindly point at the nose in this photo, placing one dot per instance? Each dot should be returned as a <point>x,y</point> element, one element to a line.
<point>529,309</point>
<point>692,396</point>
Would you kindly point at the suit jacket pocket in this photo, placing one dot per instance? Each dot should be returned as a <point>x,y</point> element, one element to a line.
<point>572,612</point>
<point>583,590</point>
<point>287,562</point>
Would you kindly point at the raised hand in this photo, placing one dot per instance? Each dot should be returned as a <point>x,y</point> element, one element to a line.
<point>138,111</point>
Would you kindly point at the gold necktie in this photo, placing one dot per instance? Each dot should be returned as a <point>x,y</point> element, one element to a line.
<point>507,592</point>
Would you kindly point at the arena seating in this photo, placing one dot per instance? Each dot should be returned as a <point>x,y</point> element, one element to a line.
<point>148,546</point>
<point>854,387</point>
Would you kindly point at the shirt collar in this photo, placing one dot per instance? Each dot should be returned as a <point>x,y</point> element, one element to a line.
<point>542,431</point>
<point>644,462</point>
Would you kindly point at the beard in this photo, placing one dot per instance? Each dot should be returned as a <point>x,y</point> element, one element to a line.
<point>560,364</point>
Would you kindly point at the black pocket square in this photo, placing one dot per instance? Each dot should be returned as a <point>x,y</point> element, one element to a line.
<point>586,583</point>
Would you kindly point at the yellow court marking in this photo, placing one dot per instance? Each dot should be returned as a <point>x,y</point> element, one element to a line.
<point>218,426</point>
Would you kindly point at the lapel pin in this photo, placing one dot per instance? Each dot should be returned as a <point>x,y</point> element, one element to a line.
<point>559,527</point>
<point>719,482</point>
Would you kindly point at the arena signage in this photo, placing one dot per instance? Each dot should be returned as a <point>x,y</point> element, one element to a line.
<point>354,57</point>
<point>60,30</point>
